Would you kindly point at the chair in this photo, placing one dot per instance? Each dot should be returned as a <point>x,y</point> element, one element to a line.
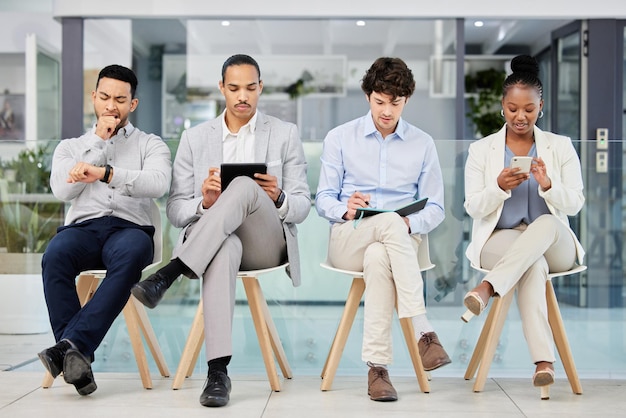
<point>135,315</point>
<point>349,313</point>
<point>269,341</point>
<point>490,335</point>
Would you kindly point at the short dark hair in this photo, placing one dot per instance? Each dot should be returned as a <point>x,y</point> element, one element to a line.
<point>121,73</point>
<point>389,76</point>
<point>525,72</point>
<point>240,59</point>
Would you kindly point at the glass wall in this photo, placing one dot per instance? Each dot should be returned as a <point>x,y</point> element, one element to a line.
<point>178,64</point>
<point>306,317</point>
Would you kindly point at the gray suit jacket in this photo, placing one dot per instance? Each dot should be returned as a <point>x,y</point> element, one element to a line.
<point>277,143</point>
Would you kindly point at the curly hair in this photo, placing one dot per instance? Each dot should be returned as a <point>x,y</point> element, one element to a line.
<point>389,76</point>
<point>525,72</point>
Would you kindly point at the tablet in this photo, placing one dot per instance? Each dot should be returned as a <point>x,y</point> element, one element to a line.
<point>405,210</point>
<point>228,171</point>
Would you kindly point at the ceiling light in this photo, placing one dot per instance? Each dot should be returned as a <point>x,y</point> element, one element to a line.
<point>225,23</point>
<point>479,23</point>
<point>360,22</point>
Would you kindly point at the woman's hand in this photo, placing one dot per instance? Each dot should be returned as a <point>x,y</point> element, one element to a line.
<point>510,178</point>
<point>538,169</point>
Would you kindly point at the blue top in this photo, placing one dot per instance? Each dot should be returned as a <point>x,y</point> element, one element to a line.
<point>525,205</point>
<point>393,170</point>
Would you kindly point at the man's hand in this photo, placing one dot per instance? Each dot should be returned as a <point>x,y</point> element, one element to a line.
<point>85,173</point>
<point>357,200</point>
<point>268,183</point>
<point>106,126</point>
<point>211,187</point>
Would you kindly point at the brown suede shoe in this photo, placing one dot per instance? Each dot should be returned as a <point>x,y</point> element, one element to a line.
<point>379,386</point>
<point>431,351</point>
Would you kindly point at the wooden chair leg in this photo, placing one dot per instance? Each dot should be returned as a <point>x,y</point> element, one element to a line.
<point>411,343</point>
<point>150,336</point>
<point>491,342</point>
<point>192,349</point>
<point>482,339</point>
<point>343,330</point>
<point>253,292</point>
<point>560,339</point>
<point>86,285</point>
<point>277,346</point>
<point>48,380</point>
<point>134,333</point>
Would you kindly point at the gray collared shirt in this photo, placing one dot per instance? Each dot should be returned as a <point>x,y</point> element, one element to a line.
<point>142,170</point>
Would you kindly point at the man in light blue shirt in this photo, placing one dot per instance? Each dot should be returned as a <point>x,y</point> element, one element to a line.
<point>381,161</point>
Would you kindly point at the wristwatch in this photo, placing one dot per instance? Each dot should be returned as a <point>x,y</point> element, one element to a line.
<point>281,199</point>
<point>107,174</point>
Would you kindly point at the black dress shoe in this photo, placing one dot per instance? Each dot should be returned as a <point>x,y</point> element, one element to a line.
<point>52,358</point>
<point>216,390</point>
<point>77,371</point>
<point>151,291</point>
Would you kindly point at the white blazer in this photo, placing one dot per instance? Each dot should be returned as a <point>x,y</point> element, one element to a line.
<point>484,199</point>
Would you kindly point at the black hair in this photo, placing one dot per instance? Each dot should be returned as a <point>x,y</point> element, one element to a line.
<point>525,71</point>
<point>389,76</point>
<point>121,73</point>
<point>240,59</point>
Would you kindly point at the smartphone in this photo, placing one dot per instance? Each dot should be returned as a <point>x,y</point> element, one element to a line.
<point>523,163</point>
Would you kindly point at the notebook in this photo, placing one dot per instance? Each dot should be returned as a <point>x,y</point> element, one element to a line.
<point>405,210</point>
<point>228,171</point>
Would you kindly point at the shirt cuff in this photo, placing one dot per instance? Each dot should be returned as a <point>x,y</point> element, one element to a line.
<point>284,208</point>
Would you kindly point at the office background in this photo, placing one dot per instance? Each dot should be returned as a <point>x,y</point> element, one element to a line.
<point>51,51</point>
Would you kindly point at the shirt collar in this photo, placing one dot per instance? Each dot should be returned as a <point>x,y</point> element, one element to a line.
<point>370,129</point>
<point>251,125</point>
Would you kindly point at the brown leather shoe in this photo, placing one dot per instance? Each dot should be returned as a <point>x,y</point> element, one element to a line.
<point>431,351</point>
<point>379,386</point>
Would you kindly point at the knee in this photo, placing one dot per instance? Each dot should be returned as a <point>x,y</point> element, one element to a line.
<point>242,183</point>
<point>232,245</point>
<point>545,223</point>
<point>375,253</point>
<point>393,222</point>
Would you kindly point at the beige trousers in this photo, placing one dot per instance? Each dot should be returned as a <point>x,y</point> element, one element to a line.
<point>521,258</point>
<point>382,249</point>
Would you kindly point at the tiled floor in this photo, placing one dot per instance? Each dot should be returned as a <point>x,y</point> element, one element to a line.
<point>121,395</point>
<point>596,336</point>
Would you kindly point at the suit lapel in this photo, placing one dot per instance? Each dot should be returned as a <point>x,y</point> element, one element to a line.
<point>497,152</point>
<point>262,138</point>
<point>544,147</point>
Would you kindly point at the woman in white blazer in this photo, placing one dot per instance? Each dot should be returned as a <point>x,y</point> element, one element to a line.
<point>520,228</point>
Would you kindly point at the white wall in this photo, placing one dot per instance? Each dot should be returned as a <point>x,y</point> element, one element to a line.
<point>539,9</point>
<point>15,25</point>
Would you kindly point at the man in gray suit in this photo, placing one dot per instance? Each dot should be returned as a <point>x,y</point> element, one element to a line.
<point>249,225</point>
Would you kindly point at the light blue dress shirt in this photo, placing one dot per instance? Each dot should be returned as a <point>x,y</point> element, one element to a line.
<point>393,171</point>
<point>525,205</point>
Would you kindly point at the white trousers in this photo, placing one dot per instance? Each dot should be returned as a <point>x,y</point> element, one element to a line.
<point>381,247</point>
<point>522,258</point>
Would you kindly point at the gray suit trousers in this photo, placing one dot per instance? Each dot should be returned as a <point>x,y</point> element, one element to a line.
<point>242,230</point>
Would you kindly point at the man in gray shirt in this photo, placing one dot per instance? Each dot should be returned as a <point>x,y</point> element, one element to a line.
<point>110,175</point>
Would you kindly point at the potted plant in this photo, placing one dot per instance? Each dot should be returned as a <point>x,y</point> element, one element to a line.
<point>484,90</point>
<point>28,220</point>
